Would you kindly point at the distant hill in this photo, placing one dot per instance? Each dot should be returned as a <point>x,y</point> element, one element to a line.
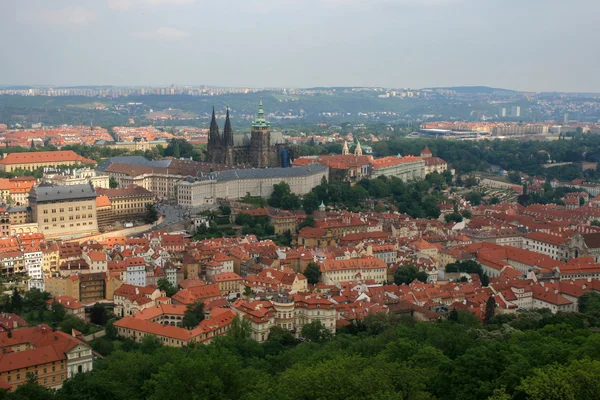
<point>476,89</point>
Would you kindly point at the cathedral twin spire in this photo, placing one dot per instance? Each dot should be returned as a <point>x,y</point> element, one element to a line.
<point>214,138</point>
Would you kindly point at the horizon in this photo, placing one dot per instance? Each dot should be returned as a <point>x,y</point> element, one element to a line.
<point>271,88</point>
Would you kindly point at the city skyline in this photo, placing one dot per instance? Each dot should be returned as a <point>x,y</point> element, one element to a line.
<point>302,44</point>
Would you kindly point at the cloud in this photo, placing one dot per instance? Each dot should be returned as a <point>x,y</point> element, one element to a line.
<point>75,15</point>
<point>124,5</point>
<point>267,6</point>
<point>164,33</point>
<point>388,3</point>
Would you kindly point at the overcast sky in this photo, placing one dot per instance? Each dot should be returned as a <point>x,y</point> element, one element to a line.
<point>538,45</point>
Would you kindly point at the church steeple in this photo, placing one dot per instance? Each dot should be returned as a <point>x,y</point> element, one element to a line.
<point>259,118</point>
<point>213,133</point>
<point>228,132</point>
<point>345,150</point>
<point>358,150</point>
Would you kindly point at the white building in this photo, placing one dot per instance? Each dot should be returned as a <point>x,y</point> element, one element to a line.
<point>354,269</point>
<point>75,177</point>
<point>236,184</point>
<point>33,266</point>
<point>136,275</point>
<point>554,246</point>
<point>407,168</point>
<point>79,359</point>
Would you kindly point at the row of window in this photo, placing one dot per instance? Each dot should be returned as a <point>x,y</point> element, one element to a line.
<point>71,225</point>
<point>79,208</point>
<point>71,217</point>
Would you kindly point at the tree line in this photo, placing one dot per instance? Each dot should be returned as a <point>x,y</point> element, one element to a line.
<point>536,355</point>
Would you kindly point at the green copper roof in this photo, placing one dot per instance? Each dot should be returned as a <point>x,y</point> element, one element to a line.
<point>259,118</point>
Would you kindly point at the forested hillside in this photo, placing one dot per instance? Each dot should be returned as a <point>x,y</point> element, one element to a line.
<point>535,356</point>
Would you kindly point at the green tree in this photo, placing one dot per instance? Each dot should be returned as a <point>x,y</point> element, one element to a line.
<point>514,177</point>
<point>405,274</point>
<point>16,301</point>
<point>71,322</point>
<point>589,302</point>
<point>474,198</point>
<point>98,314</point>
<point>58,312</point>
<point>468,266</point>
<point>113,183</point>
<point>485,279</point>
<point>290,202</point>
<point>30,378</point>
<point>194,314</point>
<point>280,191</point>
<point>281,336</point>
<point>110,331</point>
<point>244,219</point>
<point>312,273</point>
<point>165,285</point>
<point>103,346</point>
<point>151,214</point>
<point>225,209</point>
<point>150,344</point>
<point>176,150</point>
<point>454,217</point>
<point>239,329</point>
<point>551,383</point>
<point>32,391</point>
<point>310,203</point>
<point>308,221</point>
<point>316,332</point>
<point>35,299</point>
<point>490,309</point>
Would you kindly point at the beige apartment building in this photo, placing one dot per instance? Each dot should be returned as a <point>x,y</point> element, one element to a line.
<point>129,202</point>
<point>64,211</point>
<point>354,269</point>
<point>31,161</point>
<point>50,257</point>
<point>59,286</point>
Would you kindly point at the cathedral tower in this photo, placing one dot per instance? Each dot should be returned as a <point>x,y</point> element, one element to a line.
<point>228,142</point>
<point>260,140</point>
<point>215,148</point>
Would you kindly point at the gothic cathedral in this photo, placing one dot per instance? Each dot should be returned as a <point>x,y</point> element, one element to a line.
<point>261,149</point>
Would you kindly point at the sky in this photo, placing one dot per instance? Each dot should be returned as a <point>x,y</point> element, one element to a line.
<point>530,45</point>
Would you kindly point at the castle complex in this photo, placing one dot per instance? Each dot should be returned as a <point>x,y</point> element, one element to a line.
<point>261,149</point>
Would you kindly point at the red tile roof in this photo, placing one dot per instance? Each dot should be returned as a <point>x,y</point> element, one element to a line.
<point>45,156</point>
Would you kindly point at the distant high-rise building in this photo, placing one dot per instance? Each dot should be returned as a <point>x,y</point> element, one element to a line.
<point>566,118</point>
<point>503,112</point>
<point>515,111</point>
